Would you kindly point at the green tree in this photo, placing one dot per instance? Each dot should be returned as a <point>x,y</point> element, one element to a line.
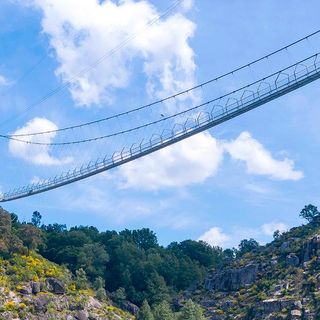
<point>93,258</point>
<point>163,311</point>
<point>145,312</point>
<point>36,219</point>
<point>119,295</point>
<point>144,238</point>
<point>14,220</point>
<point>276,235</point>
<point>191,311</point>
<point>246,246</point>
<point>81,279</point>
<point>5,231</point>
<point>30,236</point>
<point>310,213</point>
<point>199,251</point>
<point>157,288</point>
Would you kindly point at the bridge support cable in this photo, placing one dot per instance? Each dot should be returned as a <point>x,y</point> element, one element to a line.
<point>196,120</point>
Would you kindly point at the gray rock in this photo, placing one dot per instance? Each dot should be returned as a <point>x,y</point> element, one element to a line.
<point>56,286</point>
<point>26,289</point>
<point>94,303</point>
<point>276,305</point>
<point>311,248</point>
<point>35,287</point>
<point>130,307</point>
<point>296,314</point>
<point>81,315</point>
<point>292,260</point>
<point>284,246</point>
<point>231,280</point>
<point>41,302</point>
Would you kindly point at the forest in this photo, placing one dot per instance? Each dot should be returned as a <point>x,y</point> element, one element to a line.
<point>131,264</point>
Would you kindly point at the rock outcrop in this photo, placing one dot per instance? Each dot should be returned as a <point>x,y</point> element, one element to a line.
<point>233,279</point>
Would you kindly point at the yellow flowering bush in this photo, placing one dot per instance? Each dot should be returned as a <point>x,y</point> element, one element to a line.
<point>10,306</point>
<point>32,268</point>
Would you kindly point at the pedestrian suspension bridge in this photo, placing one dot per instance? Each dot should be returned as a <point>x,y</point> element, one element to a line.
<point>86,149</point>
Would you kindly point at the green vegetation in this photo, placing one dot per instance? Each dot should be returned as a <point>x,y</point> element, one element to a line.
<point>131,267</point>
<point>130,261</point>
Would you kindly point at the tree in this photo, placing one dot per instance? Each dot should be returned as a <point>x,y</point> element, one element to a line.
<point>200,251</point>
<point>143,238</point>
<point>119,295</point>
<point>157,288</point>
<point>99,285</point>
<point>145,312</point>
<point>163,311</point>
<point>192,311</point>
<point>246,246</point>
<point>310,213</point>
<point>30,236</point>
<point>276,235</point>
<point>5,223</point>
<point>36,219</point>
<point>81,279</point>
<point>93,258</point>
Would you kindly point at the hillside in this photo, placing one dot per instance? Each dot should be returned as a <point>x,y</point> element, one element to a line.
<point>278,281</point>
<point>51,272</point>
<point>33,288</point>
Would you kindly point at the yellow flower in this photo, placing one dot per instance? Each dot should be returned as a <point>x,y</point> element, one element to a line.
<point>10,305</point>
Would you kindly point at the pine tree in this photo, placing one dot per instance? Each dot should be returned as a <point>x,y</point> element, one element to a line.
<point>163,311</point>
<point>192,311</point>
<point>145,312</point>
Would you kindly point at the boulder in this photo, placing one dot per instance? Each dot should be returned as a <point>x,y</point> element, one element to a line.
<point>56,286</point>
<point>310,249</point>
<point>81,315</point>
<point>292,260</point>
<point>296,314</point>
<point>276,305</point>
<point>94,303</point>
<point>41,302</point>
<point>232,279</point>
<point>26,289</point>
<point>35,286</point>
<point>130,307</point>
<point>284,246</point>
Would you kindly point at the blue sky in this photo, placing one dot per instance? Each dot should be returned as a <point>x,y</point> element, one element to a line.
<point>206,189</point>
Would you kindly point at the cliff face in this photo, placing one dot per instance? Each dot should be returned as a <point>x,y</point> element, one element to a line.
<point>33,288</point>
<point>278,281</point>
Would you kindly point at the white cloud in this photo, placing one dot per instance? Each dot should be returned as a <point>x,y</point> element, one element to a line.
<point>83,31</point>
<point>36,154</point>
<point>215,237</point>
<point>4,82</point>
<point>259,160</point>
<point>269,228</point>
<point>187,162</point>
<point>198,158</point>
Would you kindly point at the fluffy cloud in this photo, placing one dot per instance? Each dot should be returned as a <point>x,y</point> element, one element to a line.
<point>269,228</point>
<point>196,159</point>
<point>187,162</point>
<point>36,154</point>
<point>215,237</point>
<point>81,32</point>
<point>4,82</point>
<point>259,160</point>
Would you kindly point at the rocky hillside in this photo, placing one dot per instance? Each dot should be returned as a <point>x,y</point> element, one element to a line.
<point>278,281</point>
<point>31,287</point>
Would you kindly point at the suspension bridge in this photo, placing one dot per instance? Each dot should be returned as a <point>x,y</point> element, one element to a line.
<point>135,133</point>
